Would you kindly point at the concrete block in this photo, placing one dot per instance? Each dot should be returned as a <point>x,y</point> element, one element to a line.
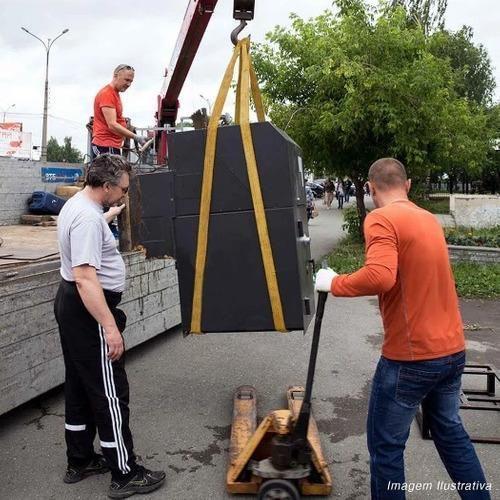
<point>29,340</point>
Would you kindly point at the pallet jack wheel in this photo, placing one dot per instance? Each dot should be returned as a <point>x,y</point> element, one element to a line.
<point>278,489</point>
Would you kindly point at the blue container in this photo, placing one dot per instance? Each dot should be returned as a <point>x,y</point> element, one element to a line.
<point>45,203</point>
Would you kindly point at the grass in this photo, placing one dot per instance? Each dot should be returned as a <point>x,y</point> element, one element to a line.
<point>347,257</point>
<point>473,280</point>
<point>435,206</point>
<point>477,280</point>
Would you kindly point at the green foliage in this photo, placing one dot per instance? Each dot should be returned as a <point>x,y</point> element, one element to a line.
<point>473,280</point>
<point>491,169</point>
<point>63,153</point>
<point>429,14</point>
<point>468,236</point>
<point>347,257</point>
<point>470,63</point>
<point>477,280</point>
<point>352,224</point>
<point>433,205</point>
<point>361,83</point>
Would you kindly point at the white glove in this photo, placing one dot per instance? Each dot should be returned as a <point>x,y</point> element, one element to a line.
<point>324,278</point>
<point>140,139</point>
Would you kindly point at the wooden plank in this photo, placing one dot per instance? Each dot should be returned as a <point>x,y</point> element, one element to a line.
<point>22,253</point>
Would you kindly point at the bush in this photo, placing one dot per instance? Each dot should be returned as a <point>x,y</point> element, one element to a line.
<point>352,223</point>
<point>473,280</point>
<point>434,205</point>
<point>484,237</point>
<point>347,257</point>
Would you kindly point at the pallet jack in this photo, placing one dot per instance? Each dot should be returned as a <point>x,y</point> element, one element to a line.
<point>282,457</point>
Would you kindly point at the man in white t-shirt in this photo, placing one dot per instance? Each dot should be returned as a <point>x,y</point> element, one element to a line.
<point>90,327</point>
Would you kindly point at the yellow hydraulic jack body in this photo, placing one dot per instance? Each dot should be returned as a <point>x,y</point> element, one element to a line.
<point>282,457</point>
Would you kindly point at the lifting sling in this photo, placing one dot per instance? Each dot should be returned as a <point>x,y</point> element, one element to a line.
<point>246,80</point>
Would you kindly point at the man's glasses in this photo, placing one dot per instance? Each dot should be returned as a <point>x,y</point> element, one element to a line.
<point>124,189</point>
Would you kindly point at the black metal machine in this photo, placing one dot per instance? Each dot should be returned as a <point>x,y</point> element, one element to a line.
<point>151,217</point>
<point>234,261</point>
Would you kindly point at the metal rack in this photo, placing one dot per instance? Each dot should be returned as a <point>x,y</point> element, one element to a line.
<point>473,399</point>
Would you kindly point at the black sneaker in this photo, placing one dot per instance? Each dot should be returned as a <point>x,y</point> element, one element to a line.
<point>143,481</point>
<point>98,465</point>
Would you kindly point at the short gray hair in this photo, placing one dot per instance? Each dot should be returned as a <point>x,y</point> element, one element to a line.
<point>106,168</point>
<point>121,67</point>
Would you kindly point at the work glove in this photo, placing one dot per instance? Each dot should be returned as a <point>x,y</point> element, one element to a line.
<point>140,139</point>
<point>323,280</point>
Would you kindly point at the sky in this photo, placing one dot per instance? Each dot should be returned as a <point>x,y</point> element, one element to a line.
<point>103,34</point>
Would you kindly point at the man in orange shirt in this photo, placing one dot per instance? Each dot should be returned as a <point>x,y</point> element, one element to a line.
<point>423,356</point>
<point>109,128</point>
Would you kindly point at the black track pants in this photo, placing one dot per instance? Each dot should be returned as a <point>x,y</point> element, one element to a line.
<point>96,389</point>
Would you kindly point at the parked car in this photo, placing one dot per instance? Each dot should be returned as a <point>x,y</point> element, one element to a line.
<point>316,188</point>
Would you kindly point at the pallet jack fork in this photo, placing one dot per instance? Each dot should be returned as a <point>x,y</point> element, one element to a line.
<point>282,457</point>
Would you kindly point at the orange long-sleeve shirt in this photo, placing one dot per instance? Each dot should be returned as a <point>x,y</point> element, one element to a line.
<point>407,266</point>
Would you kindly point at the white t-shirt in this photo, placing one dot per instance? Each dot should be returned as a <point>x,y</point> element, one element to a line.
<point>85,238</point>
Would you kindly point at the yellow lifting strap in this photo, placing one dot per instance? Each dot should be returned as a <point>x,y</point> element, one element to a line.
<point>246,79</point>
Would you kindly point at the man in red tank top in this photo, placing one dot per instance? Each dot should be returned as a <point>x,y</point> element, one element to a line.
<point>423,358</point>
<point>109,127</point>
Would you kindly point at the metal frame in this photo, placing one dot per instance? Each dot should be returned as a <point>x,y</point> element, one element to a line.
<point>470,399</point>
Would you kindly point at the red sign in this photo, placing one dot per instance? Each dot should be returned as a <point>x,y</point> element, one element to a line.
<point>15,126</point>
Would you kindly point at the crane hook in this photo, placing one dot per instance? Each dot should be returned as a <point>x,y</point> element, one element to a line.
<point>237,31</point>
<point>243,11</point>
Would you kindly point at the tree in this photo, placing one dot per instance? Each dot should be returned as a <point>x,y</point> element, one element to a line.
<point>63,153</point>
<point>470,63</point>
<point>429,14</point>
<point>490,174</point>
<point>360,84</point>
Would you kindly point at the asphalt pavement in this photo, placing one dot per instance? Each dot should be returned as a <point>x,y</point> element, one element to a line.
<point>181,406</point>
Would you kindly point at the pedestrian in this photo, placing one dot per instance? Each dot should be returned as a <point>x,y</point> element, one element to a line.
<point>90,328</point>
<point>347,190</point>
<point>109,126</point>
<point>310,208</point>
<point>340,195</point>
<point>329,190</point>
<point>423,358</point>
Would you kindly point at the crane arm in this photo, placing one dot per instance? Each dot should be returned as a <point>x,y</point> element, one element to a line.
<point>196,19</point>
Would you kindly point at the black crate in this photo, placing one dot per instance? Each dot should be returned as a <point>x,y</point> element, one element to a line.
<point>235,295</point>
<point>279,163</point>
<point>152,212</point>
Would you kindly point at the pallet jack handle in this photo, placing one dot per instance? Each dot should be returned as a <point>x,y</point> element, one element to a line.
<point>302,425</point>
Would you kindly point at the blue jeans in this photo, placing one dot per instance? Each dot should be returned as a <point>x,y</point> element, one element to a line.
<point>399,387</point>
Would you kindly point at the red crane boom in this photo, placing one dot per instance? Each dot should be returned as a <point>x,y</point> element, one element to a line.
<point>196,19</point>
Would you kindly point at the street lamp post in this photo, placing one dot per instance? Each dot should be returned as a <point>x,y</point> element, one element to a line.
<point>47,47</point>
<point>5,111</point>
<point>209,105</point>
